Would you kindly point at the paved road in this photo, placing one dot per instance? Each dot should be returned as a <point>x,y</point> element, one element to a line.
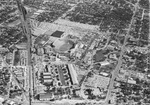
<point>27,32</point>
<point>116,71</point>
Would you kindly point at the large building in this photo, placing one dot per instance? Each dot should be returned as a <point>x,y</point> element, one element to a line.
<point>73,74</point>
<point>47,77</point>
<point>45,96</point>
<point>63,45</point>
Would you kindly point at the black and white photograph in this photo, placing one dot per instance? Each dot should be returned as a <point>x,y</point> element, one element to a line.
<point>74,52</point>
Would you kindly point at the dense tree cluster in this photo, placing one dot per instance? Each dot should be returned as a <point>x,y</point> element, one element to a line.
<point>117,18</point>
<point>137,92</point>
<point>144,4</point>
<point>4,79</point>
<point>140,60</point>
<point>5,13</point>
<point>54,10</point>
<point>48,16</point>
<point>11,35</point>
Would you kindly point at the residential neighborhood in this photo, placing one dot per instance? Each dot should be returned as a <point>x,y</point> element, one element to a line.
<point>74,52</point>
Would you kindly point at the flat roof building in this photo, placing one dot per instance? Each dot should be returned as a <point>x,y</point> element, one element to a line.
<point>48,80</point>
<point>57,34</point>
<point>47,77</point>
<point>47,74</point>
<point>73,74</point>
<point>45,96</point>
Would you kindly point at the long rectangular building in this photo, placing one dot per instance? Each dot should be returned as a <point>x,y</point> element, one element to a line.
<point>73,74</point>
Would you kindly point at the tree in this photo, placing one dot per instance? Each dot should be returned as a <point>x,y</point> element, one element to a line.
<point>11,36</point>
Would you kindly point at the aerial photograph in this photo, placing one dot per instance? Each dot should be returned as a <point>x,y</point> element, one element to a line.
<point>74,52</point>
